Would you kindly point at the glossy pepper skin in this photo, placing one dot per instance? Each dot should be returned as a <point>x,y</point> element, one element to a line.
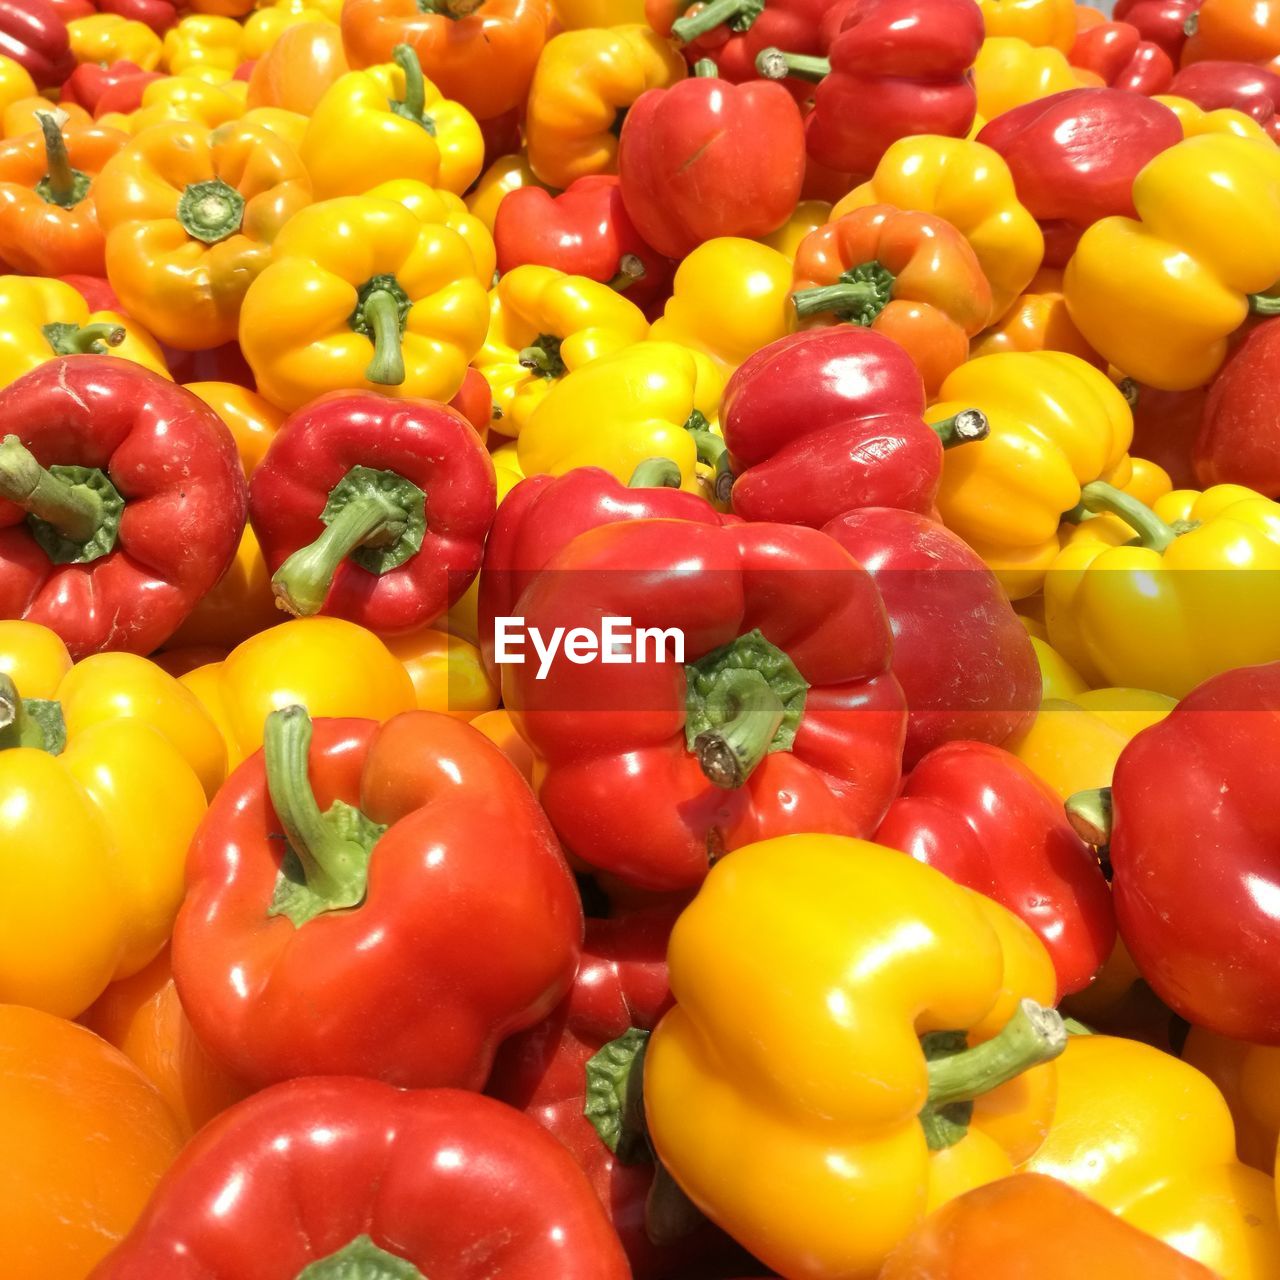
<point>1238,441</point>
<point>1043,23</point>
<point>372,509</point>
<point>907,275</point>
<point>1163,22</point>
<point>1118,53</point>
<point>1234,32</point>
<point>35,37</point>
<point>1037,321</point>
<point>1074,157</point>
<point>962,656</point>
<point>842,403</point>
<point>189,216</point>
<point>89,81</point>
<point>583,80</point>
<point>435,970</point>
<point>982,818</point>
<point>114,553</point>
<point>825,1081</point>
<point>583,231</point>
<point>1246,1075</point>
<point>1165,315</point>
<point>708,158</point>
<point>159,15</point>
<point>1112,1138</point>
<point>435,1182</point>
<point>1009,73</point>
<point>363,295</point>
<point>480,55</point>
<point>1237,85</point>
<point>700,759</point>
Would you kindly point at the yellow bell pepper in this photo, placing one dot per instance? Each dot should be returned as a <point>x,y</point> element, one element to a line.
<point>1247,1075</point>
<point>582,81</point>
<point>390,122</point>
<point>1148,481</point>
<point>447,671</point>
<point>507,173</point>
<point>206,46</point>
<point>182,98</point>
<point>808,217</point>
<point>1195,120</point>
<point>573,14</point>
<point>16,85</point>
<point>189,217</point>
<point>328,665</point>
<point>1150,1138</point>
<point>263,28</point>
<point>108,38</point>
<point>1160,296</point>
<point>1057,423</point>
<point>41,319</point>
<point>363,295</point>
<point>431,205</point>
<point>1038,22</point>
<point>100,794</point>
<point>288,125</point>
<point>730,297</point>
<point>651,400</point>
<point>793,1091</point>
<point>544,324</point>
<point>1183,604</point>
<point>1009,72</point>
<point>968,185</point>
<point>1058,678</point>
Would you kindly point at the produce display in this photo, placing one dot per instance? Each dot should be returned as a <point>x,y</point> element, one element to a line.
<point>639,640</point>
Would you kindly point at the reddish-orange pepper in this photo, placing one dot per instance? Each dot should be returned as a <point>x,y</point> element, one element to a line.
<point>295,72</point>
<point>1037,321</point>
<point>1234,31</point>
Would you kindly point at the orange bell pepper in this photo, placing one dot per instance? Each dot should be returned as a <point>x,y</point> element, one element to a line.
<point>1248,1075</point>
<point>448,673</point>
<point>1234,31</point>
<point>189,217</point>
<point>295,72</point>
<point>23,115</point>
<point>500,729</point>
<point>1037,321</point>
<point>910,276</point>
<point>222,8</point>
<point>480,53</point>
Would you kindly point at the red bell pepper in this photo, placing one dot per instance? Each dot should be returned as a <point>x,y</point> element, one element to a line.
<point>707,158</point>
<point>95,291</point>
<point>159,15</point>
<point>543,514</point>
<point>69,10</point>
<point>1165,424</point>
<point>386,901</point>
<point>351,1178</point>
<point>1118,53</point>
<point>125,95</point>
<point>826,420</point>
<point>785,716</point>
<point>122,502</point>
<point>621,983</point>
<point>583,231</point>
<point>962,656</point>
<point>216,364</point>
<point>981,817</point>
<point>89,81</point>
<point>1194,844</point>
<point>1074,156</point>
<point>1239,437</point>
<point>475,402</point>
<point>35,36</point>
<point>373,510</point>
<point>893,68</point>
<point>1253,90</point>
<point>1163,22</point>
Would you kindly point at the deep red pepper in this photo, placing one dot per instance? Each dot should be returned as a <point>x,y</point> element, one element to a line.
<point>372,509</point>
<point>159,15</point>
<point>145,521</point>
<point>707,158</point>
<point>34,35</point>
<point>1118,53</point>
<point>961,654</point>
<point>89,81</point>
<point>314,1174</point>
<point>217,364</point>
<point>783,717</point>
<point>95,291</point>
<point>980,816</point>
<point>1163,22</point>
<point>1239,85</point>
<point>475,402</point>
<point>826,420</point>
<point>125,95</point>
<point>1074,156</point>
<point>410,965</point>
<point>1165,424</point>
<point>583,231</point>
<point>893,68</point>
<point>501,134</point>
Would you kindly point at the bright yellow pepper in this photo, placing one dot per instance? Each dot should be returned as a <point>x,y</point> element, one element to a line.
<point>970,186</point>
<point>206,46</point>
<point>447,671</point>
<point>108,38</point>
<point>1160,296</point>
<point>1057,423</point>
<point>1009,72</point>
<point>1195,120</point>
<point>1183,604</point>
<point>16,84</point>
<point>809,215</point>
<point>646,401</point>
<point>573,14</point>
<point>100,793</point>
<point>1148,481</point>
<point>544,324</point>
<point>363,295</point>
<point>182,98</point>
<point>41,319</point>
<point>432,205</point>
<point>328,665</point>
<point>582,81</point>
<point>507,173</point>
<point>264,28</point>
<point>1038,22</point>
<point>289,125</point>
<point>189,217</point>
<point>730,297</point>
<point>1247,1075</point>
<point>1058,678</point>
<point>788,1092</point>
<point>390,122</point>
<point>1150,1138</point>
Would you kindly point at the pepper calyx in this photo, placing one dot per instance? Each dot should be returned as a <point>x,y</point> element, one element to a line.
<point>861,294</point>
<point>361,1260</point>
<point>37,723</point>
<point>211,211</point>
<point>615,1096</point>
<point>381,313</point>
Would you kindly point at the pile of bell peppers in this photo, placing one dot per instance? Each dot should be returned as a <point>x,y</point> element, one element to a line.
<point>639,639</point>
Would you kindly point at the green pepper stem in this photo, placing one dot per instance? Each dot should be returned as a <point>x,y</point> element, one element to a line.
<point>742,13</point>
<point>655,473</point>
<point>705,69</point>
<point>75,511</point>
<point>542,356</point>
<point>91,339</point>
<point>1099,496</point>
<point>382,314</point>
<point>1192,24</point>
<point>630,270</point>
<point>1264,304</point>
<point>454,9</point>
<point>415,87</point>
<point>776,64</point>
<point>17,729</point>
<point>303,581</point>
<point>1090,815</point>
<point>729,753</point>
<point>840,298</point>
<point>60,187</point>
<point>962,428</point>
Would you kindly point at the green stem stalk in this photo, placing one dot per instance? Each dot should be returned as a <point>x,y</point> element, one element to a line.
<point>777,64</point>
<point>73,510</point>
